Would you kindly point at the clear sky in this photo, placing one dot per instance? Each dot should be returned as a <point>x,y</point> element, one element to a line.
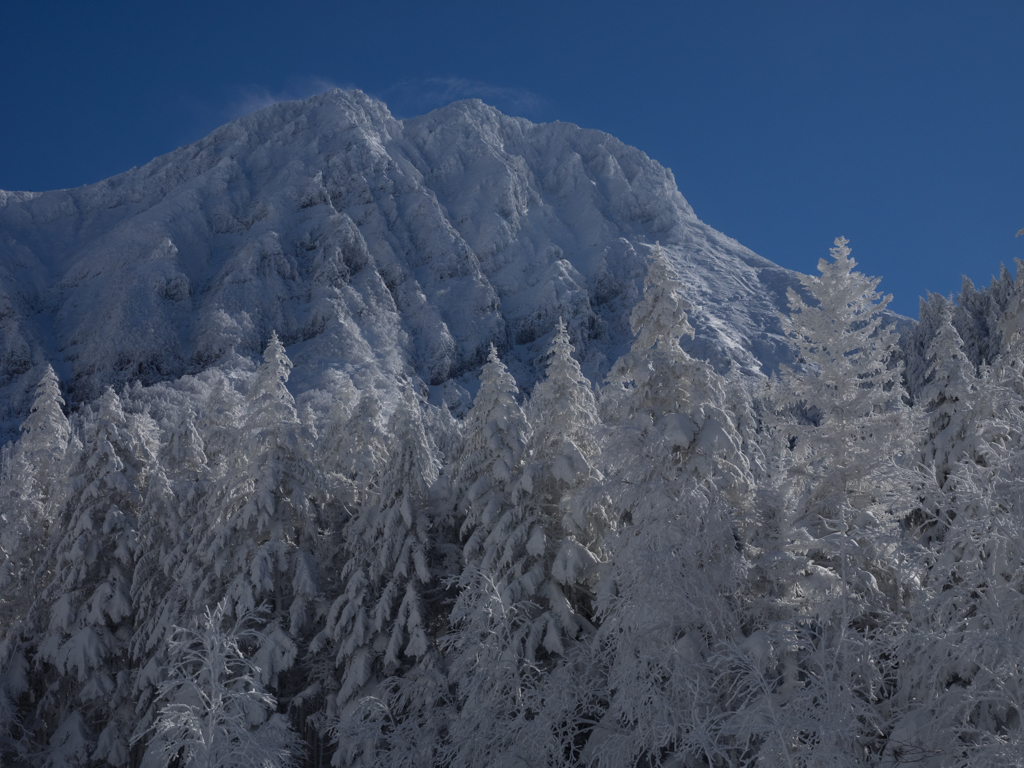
<point>899,125</point>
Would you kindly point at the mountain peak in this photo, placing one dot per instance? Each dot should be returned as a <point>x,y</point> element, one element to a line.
<point>379,250</point>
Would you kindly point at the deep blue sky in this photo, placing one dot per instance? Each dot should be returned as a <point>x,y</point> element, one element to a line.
<point>899,125</point>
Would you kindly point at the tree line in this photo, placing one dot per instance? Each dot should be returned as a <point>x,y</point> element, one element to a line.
<point>676,568</point>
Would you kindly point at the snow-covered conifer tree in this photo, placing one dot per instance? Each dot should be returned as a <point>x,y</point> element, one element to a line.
<point>961,687</point>
<point>1008,327</point>
<point>485,478</point>
<point>961,683</point>
<point>675,475</point>
<point>545,546</point>
<point>257,537</point>
<point>167,520</point>
<point>34,479</point>
<point>514,531</point>
<point>86,613</point>
<point>670,432</point>
<point>975,317</point>
<point>45,435</point>
<point>564,445</point>
<point>916,340</point>
<point>510,600</point>
<point>214,710</point>
<point>961,407</point>
<point>168,516</point>
<point>663,404</point>
<point>486,470</point>
<point>668,603</point>
<point>219,417</point>
<point>361,451</point>
<point>496,611</point>
<point>858,425</point>
<point>497,716</point>
<point>378,625</point>
<point>849,494</point>
<point>22,537</point>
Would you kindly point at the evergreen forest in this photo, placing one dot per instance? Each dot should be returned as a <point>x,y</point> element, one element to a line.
<point>676,566</point>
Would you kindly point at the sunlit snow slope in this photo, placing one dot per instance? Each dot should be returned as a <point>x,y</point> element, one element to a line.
<point>386,249</point>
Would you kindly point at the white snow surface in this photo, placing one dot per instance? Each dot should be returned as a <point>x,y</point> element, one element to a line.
<point>381,249</point>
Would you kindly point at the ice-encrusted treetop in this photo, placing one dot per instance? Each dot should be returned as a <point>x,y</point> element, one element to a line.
<point>380,248</point>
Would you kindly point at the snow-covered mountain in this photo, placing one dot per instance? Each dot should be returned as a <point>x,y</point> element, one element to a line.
<point>632,577</point>
<point>383,249</point>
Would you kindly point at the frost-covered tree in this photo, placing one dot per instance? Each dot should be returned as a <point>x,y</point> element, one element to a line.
<point>499,717</point>
<point>220,413</point>
<point>214,709</point>
<point>361,450</point>
<point>258,534</point>
<point>974,317</point>
<point>1008,327</point>
<point>444,430</point>
<point>513,529</point>
<point>33,479</point>
<point>676,472</point>
<point>45,435</point>
<point>666,408</point>
<point>333,436</point>
<point>961,424</point>
<point>86,614</point>
<point>848,496</point>
<point>668,602</point>
<point>916,340</point>
<point>497,611</point>
<point>961,682</point>
<point>490,463</point>
<point>544,546</point>
<point>671,431</point>
<point>953,397</point>
<point>167,518</point>
<point>564,446</point>
<point>857,426</point>
<point>486,479</point>
<point>402,724</point>
<point>22,537</point>
<point>378,625</point>
<point>803,697</point>
<point>961,687</point>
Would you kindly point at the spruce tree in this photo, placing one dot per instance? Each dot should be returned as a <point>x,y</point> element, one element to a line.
<point>667,409</point>
<point>45,435</point>
<point>258,532</point>
<point>168,517</point>
<point>564,449</point>
<point>361,453</point>
<point>961,687</point>
<point>676,474</point>
<point>852,437</point>
<point>34,478</point>
<point>490,463</point>
<point>378,626</point>
<point>485,651</point>
<point>86,612</point>
<point>857,427</point>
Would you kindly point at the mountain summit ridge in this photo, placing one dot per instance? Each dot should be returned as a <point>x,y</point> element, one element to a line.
<point>385,250</point>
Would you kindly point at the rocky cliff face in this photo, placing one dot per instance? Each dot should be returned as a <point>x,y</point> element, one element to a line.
<point>382,249</point>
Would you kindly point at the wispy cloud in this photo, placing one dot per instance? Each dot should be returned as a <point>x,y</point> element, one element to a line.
<point>250,98</point>
<point>413,97</point>
<point>206,114</point>
<point>407,98</point>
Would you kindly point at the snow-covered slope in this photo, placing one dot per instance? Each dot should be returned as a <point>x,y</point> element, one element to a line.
<point>383,249</point>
